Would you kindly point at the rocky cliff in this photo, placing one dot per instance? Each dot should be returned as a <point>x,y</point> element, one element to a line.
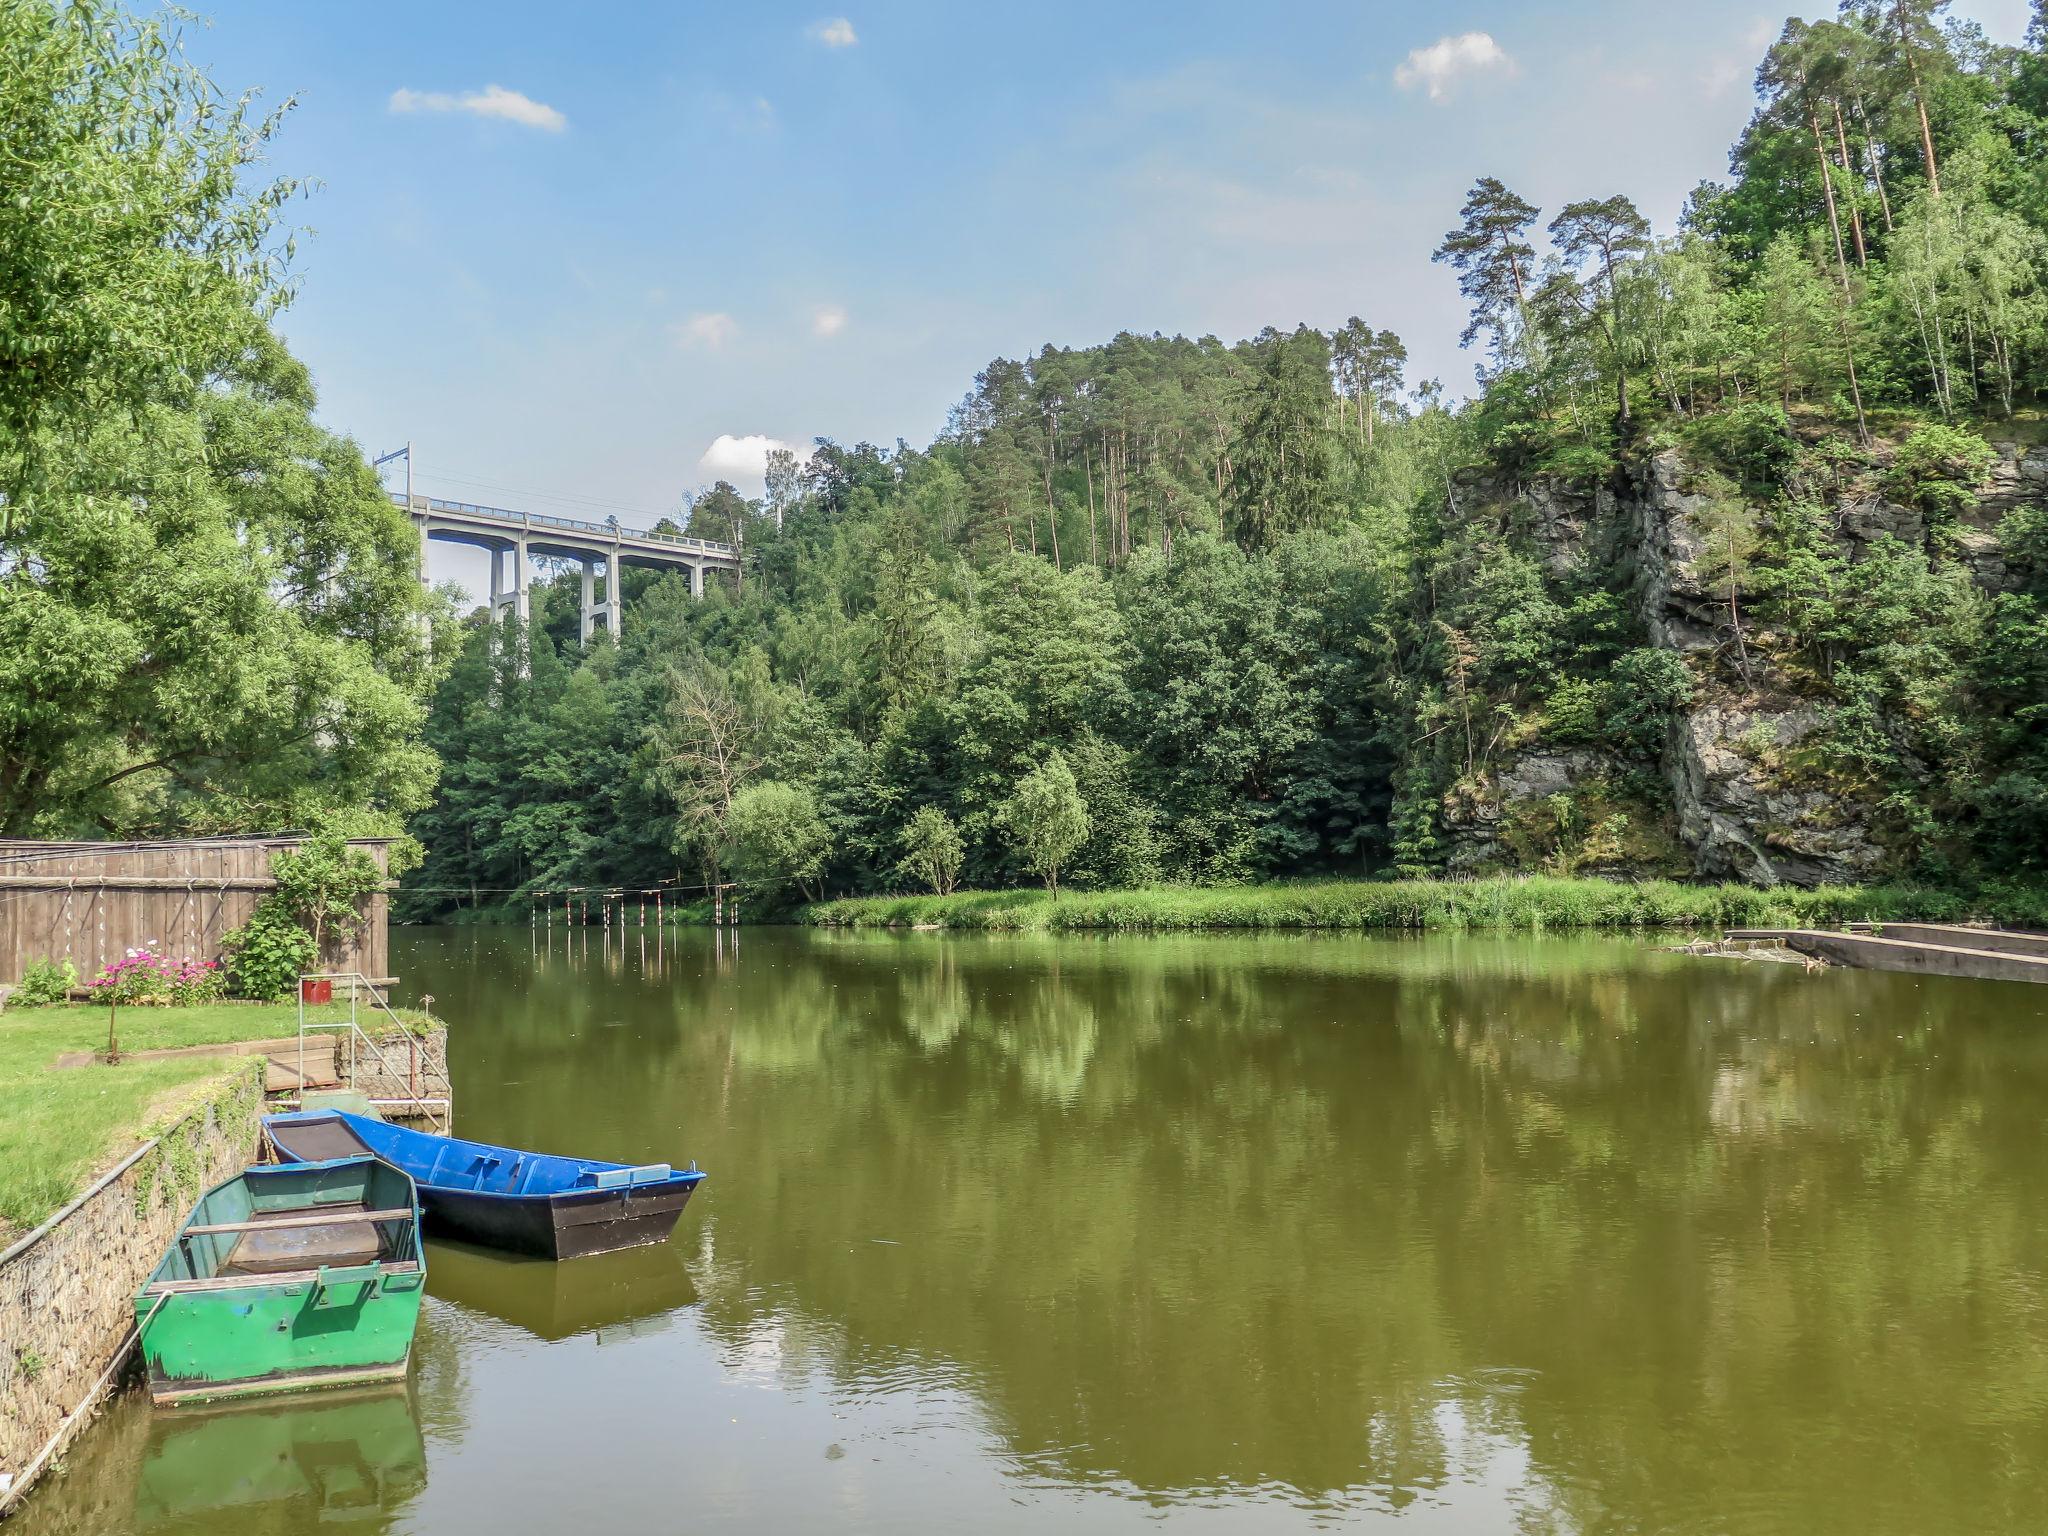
<point>1744,786</point>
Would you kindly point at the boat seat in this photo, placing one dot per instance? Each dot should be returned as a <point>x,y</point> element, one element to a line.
<point>270,1251</point>
<point>319,1141</point>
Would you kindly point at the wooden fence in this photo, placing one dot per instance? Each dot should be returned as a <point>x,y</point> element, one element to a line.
<point>93,902</point>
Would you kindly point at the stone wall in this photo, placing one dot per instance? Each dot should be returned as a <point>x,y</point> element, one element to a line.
<point>67,1289</point>
<point>411,1064</point>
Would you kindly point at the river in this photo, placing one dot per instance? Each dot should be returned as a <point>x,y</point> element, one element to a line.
<point>1240,1234</point>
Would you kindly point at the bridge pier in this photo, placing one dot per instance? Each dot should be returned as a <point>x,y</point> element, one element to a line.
<point>595,612</point>
<point>697,580</point>
<point>513,602</point>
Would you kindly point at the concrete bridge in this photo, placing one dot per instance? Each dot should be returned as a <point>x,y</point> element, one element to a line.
<point>513,538</point>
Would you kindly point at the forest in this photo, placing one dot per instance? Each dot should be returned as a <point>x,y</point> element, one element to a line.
<point>1736,564</point>
<point>1269,610</point>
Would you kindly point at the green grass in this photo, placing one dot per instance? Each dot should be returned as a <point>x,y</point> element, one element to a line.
<point>59,1129</point>
<point>1520,902</point>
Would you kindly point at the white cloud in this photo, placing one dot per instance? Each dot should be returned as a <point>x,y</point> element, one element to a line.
<point>1434,68</point>
<point>827,320</point>
<point>837,32</point>
<point>708,328</point>
<point>491,101</point>
<point>744,460</point>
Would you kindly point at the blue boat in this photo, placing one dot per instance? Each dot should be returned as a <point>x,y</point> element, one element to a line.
<point>528,1202</point>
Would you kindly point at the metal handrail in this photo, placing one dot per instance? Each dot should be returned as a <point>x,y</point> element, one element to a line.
<point>358,985</point>
<point>613,531</point>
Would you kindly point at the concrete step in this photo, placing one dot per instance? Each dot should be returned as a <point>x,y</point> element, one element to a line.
<point>2004,941</point>
<point>281,1068</point>
<point>1875,952</point>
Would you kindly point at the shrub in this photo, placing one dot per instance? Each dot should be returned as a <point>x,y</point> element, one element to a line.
<point>778,837</point>
<point>1938,470</point>
<point>44,982</point>
<point>1752,441</point>
<point>267,954</point>
<point>931,850</point>
<point>142,977</point>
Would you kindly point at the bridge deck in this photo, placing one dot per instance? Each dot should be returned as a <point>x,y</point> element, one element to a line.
<point>571,532</point>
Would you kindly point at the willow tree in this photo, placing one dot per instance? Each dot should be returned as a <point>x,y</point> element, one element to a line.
<point>210,614</point>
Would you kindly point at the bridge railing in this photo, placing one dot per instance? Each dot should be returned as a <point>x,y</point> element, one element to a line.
<point>548,520</point>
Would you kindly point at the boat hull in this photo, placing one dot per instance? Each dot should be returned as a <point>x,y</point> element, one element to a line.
<point>474,1191</point>
<point>300,1292</point>
<point>556,1226</point>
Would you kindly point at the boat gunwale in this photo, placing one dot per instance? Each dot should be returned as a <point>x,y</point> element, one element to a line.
<point>248,1282</point>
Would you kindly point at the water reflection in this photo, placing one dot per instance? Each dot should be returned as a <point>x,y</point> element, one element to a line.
<point>349,1458</point>
<point>1217,1213</point>
<point>605,1294</point>
<point>1476,1233</point>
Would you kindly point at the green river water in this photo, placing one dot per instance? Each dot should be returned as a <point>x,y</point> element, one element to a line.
<point>1247,1234</point>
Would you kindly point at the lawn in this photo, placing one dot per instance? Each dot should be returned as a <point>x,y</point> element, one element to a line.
<point>59,1129</point>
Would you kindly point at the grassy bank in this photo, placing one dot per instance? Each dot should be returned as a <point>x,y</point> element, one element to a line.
<point>60,1128</point>
<point>1524,902</point>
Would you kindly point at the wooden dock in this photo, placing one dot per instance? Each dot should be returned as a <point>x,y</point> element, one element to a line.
<point>1926,949</point>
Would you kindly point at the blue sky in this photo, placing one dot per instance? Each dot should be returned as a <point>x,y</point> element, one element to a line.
<point>685,222</point>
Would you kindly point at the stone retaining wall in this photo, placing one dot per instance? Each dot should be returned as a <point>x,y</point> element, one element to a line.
<point>67,1289</point>
<point>412,1064</point>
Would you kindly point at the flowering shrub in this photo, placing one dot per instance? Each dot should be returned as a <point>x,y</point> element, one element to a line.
<point>144,977</point>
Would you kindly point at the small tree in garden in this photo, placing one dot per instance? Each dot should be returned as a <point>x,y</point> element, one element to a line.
<point>1046,819</point>
<point>320,889</point>
<point>931,850</point>
<point>322,883</point>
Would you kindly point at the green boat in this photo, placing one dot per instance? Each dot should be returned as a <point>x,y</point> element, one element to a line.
<point>283,1278</point>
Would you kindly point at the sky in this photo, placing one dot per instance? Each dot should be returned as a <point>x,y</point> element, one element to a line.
<point>590,259</point>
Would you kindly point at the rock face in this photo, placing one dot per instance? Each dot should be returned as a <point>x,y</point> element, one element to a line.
<point>1475,815</point>
<point>1739,816</point>
<point>1740,812</point>
<point>1744,767</point>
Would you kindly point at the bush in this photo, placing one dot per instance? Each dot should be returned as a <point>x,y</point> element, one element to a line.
<point>931,850</point>
<point>267,954</point>
<point>144,978</point>
<point>1752,442</point>
<point>1938,470</point>
<point>778,837</point>
<point>44,982</point>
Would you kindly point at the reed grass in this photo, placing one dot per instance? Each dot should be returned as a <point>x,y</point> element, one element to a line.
<point>1527,902</point>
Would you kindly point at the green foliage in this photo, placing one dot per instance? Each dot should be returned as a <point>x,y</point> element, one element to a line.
<point>324,885</point>
<point>1938,469</point>
<point>1046,819</point>
<point>931,850</point>
<point>1527,902</point>
<point>267,954</point>
<point>209,617</point>
<point>778,838</point>
<point>1751,441</point>
<point>44,982</point>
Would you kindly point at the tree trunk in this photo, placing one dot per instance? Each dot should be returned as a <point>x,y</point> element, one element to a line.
<point>1842,271</point>
<point>1919,100</point>
<point>1873,152</point>
<point>1088,468</point>
<point>1855,214</point>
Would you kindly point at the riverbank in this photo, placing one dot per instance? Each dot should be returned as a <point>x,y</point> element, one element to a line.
<point>58,1129</point>
<point>1522,902</point>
